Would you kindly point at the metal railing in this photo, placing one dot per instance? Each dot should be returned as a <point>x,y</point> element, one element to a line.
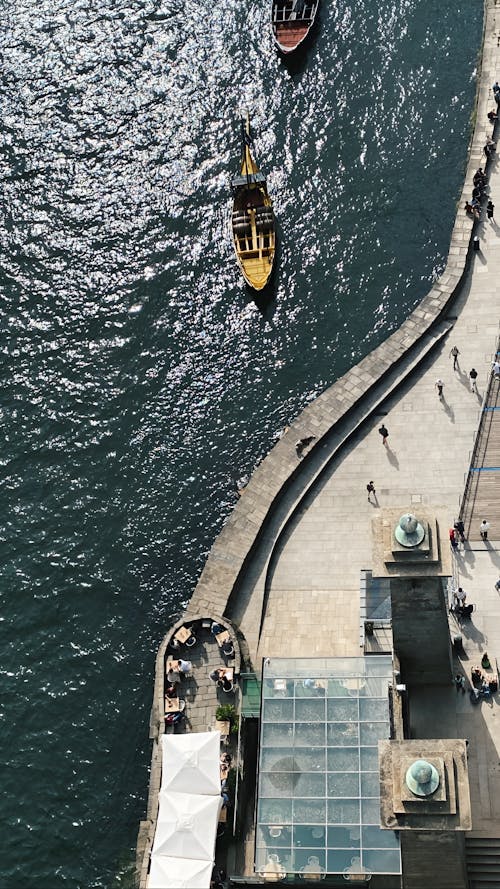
<point>479,451</point>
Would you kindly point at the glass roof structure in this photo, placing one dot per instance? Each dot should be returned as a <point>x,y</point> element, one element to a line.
<point>318,797</point>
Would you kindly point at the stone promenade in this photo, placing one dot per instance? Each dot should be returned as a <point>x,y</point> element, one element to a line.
<point>310,589</point>
<point>286,567</point>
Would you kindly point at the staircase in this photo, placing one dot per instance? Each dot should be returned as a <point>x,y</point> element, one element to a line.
<point>375,608</point>
<point>483,862</point>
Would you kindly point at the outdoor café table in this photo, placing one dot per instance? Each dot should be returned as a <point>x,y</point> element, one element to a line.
<point>182,634</point>
<point>172,705</point>
<point>222,637</point>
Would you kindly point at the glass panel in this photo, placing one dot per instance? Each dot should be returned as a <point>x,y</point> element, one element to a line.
<point>369,759</point>
<point>371,732</point>
<point>382,862</point>
<point>343,811</point>
<point>342,710</point>
<point>338,860</point>
<point>309,861</point>
<point>352,685</point>
<point>344,837</point>
<point>277,688</point>
<point>374,688</point>
<point>310,784</point>
<point>374,838</point>
<point>370,811</point>
<point>275,835</point>
<point>281,852</point>
<point>336,689</point>
<point>277,734</point>
<point>379,666</point>
<point>275,759</point>
<point>342,784</point>
<point>309,836</point>
<point>272,858</point>
<point>370,784</point>
<point>341,760</point>
<point>310,711</point>
<point>275,811</point>
<point>275,710</point>
<point>279,784</point>
<point>374,709</point>
<point>329,667</point>
<point>311,688</point>
<point>305,735</point>
<point>307,811</point>
<point>342,734</point>
<point>311,758</point>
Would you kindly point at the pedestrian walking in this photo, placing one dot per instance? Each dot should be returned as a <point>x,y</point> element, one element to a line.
<point>490,207</point>
<point>460,529</point>
<point>455,353</point>
<point>453,539</point>
<point>460,596</point>
<point>484,528</point>
<point>497,585</point>
<point>439,386</point>
<point>460,682</point>
<point>496,369</point>
<point>384,432</point>
<point>371,490</point>
<point>473,378</point>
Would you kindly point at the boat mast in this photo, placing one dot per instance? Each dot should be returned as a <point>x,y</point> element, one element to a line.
<point>247,141</point>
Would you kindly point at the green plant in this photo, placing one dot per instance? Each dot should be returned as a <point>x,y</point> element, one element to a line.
<point>228,711</point>
<point>225,711</point>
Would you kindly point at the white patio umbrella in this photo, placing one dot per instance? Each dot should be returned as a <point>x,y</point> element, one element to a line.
<point>190,763</point>
<point>179,873</point>
<point>186,826</point>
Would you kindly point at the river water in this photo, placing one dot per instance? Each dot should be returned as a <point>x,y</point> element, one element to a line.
<point>140,380</point>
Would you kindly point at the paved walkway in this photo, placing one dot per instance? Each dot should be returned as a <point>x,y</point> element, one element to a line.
<point>313,594</point>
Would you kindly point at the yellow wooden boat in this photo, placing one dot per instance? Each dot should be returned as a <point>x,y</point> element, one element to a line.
<point>252,223</point>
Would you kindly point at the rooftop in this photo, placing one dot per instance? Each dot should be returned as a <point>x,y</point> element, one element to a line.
<point>318,788</point>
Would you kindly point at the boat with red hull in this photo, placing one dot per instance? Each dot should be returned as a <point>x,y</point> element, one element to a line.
<point>292,20</point>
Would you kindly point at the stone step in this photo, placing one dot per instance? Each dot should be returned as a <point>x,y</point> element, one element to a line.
<point>482,843</point>
<point>480,854</point>
<point>484,870</point>
<point>483,884</point>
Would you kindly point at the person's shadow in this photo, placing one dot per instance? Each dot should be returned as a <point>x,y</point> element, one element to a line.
<point>461,559</point>
<point>495,558</point>
<point>373,502</point>
<point>448,409</point>
<point>462,377</point>
<point>391,456</point>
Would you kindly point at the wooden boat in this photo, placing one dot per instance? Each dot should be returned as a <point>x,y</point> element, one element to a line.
<point>252,222</point>
<point>292,21</point>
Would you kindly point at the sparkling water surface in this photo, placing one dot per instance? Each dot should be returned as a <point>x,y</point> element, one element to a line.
<point>140,379</point>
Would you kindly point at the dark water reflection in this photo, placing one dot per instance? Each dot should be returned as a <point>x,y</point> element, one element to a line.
<point>140,380</point>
